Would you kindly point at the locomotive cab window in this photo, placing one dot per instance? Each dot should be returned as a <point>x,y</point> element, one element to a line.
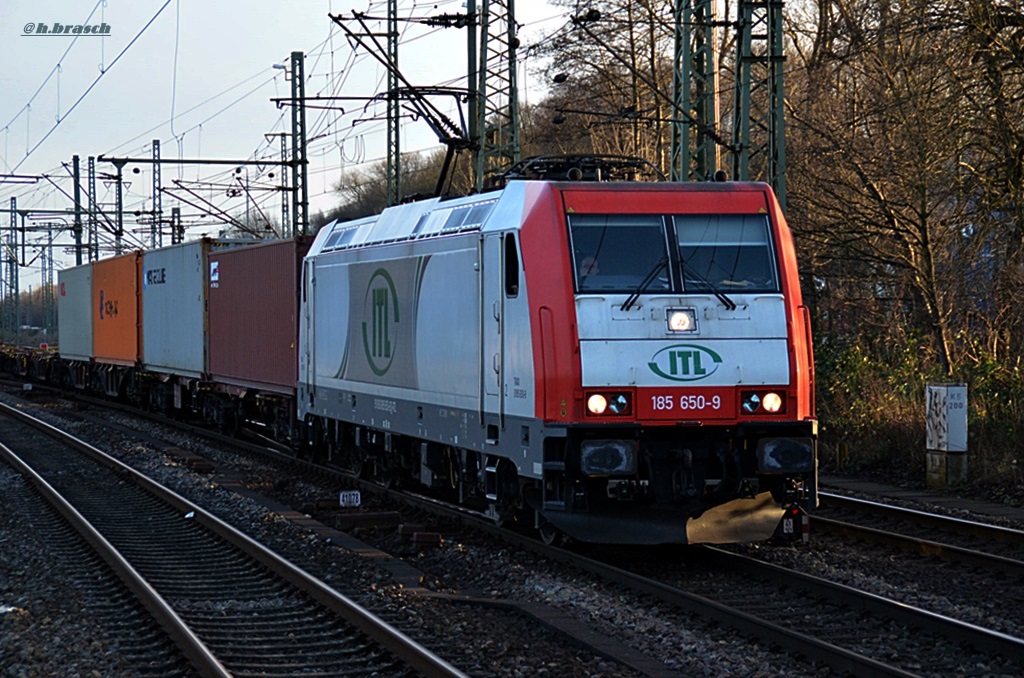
<point>726,253</point>
<point>619,252</point>
<point>511,267</point>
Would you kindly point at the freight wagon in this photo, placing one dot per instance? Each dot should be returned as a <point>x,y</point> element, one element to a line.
<point>205,327</point>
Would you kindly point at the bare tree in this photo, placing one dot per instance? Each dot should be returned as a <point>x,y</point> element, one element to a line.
<point>617,65</point>
<point>364,190</point>
<point>877,177</point>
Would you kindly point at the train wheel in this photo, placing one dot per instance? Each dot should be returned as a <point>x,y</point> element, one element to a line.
<point>359,468</point>
<point>230,423</point>
<point>356,462</point>
<point>549,534</point>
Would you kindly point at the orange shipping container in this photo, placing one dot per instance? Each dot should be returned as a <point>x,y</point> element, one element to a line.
<point>116,318</point>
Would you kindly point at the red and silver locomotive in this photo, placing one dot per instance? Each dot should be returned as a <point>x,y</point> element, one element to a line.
<point>623,362</point>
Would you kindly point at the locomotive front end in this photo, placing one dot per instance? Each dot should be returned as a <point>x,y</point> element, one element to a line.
<point>692,412</point>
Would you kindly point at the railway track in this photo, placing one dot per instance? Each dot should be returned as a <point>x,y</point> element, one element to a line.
<point>954,539</point>
<point>851,631</point>
<point>899,637</point>
<point>229,605</point>
<point>571,632</point>
<point>826,623</point>
<point>114,615</point>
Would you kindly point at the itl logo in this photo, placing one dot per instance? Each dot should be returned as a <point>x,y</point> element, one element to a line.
<point>381,306</point>
<point>685,362</point>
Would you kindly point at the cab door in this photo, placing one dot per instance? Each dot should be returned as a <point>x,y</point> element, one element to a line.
<point>492,314</point>
<point>307,356</point>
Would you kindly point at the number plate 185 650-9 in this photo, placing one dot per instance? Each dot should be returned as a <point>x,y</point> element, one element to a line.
<point>686,403</point>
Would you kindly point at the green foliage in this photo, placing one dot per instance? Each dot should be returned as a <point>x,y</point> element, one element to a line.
<point>871,404</point>
<point>871,414</point>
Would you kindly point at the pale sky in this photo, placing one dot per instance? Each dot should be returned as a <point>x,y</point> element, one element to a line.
<point>200,79</point>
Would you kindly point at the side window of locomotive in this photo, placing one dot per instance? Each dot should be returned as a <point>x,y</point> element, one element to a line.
<point>726,252</point>
<point>511,267</point>
<point>618,252</point>
<point>340,238</point>
<point>333,238</point>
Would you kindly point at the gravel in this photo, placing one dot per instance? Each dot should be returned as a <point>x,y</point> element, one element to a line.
<point>38,642</point>
<point>45,628</point>
<point>32,643</point>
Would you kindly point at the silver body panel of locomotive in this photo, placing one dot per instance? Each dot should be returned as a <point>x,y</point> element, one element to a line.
<point>406,329</point>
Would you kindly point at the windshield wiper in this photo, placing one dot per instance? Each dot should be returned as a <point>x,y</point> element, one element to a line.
<point>689,275</point>
<point>644,284</point>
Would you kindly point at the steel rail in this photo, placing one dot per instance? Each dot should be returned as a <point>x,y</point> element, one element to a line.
<point>200,656</point>
<point>412,653</point>
<point>840,659</point>
<point>953,524</point>
<point>963,632</point>
<point>925,547</point>
<point>921,545</point>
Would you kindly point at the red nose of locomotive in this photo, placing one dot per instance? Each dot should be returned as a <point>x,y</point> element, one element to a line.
<point>694,383</point>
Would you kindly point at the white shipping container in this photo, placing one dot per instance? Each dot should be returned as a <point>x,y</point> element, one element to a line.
<point>74,313</point>
<point>174,284</point>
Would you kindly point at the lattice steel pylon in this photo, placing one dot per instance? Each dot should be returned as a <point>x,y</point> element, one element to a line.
<point>49,297</point>
<point>177,232</point>
<point>497,111</point>
<point>9,255</point>
<point>300,204</point>
<point>696,155</point>
<point>759,124</point>
<point>285,226</point>
<point>94,209</point>
<point>77,229</point>
<point>156,230</point>
<point>394,154</point>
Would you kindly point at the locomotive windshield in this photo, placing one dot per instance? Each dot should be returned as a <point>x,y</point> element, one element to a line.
<point>729,252</point>
<point>720,253</point>
<point>614,253</point>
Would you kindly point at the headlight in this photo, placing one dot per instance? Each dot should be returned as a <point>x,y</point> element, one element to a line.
<point>765,402</point>
<point>608,403</point>
<point>597,404</point>
<point>681,319</point>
